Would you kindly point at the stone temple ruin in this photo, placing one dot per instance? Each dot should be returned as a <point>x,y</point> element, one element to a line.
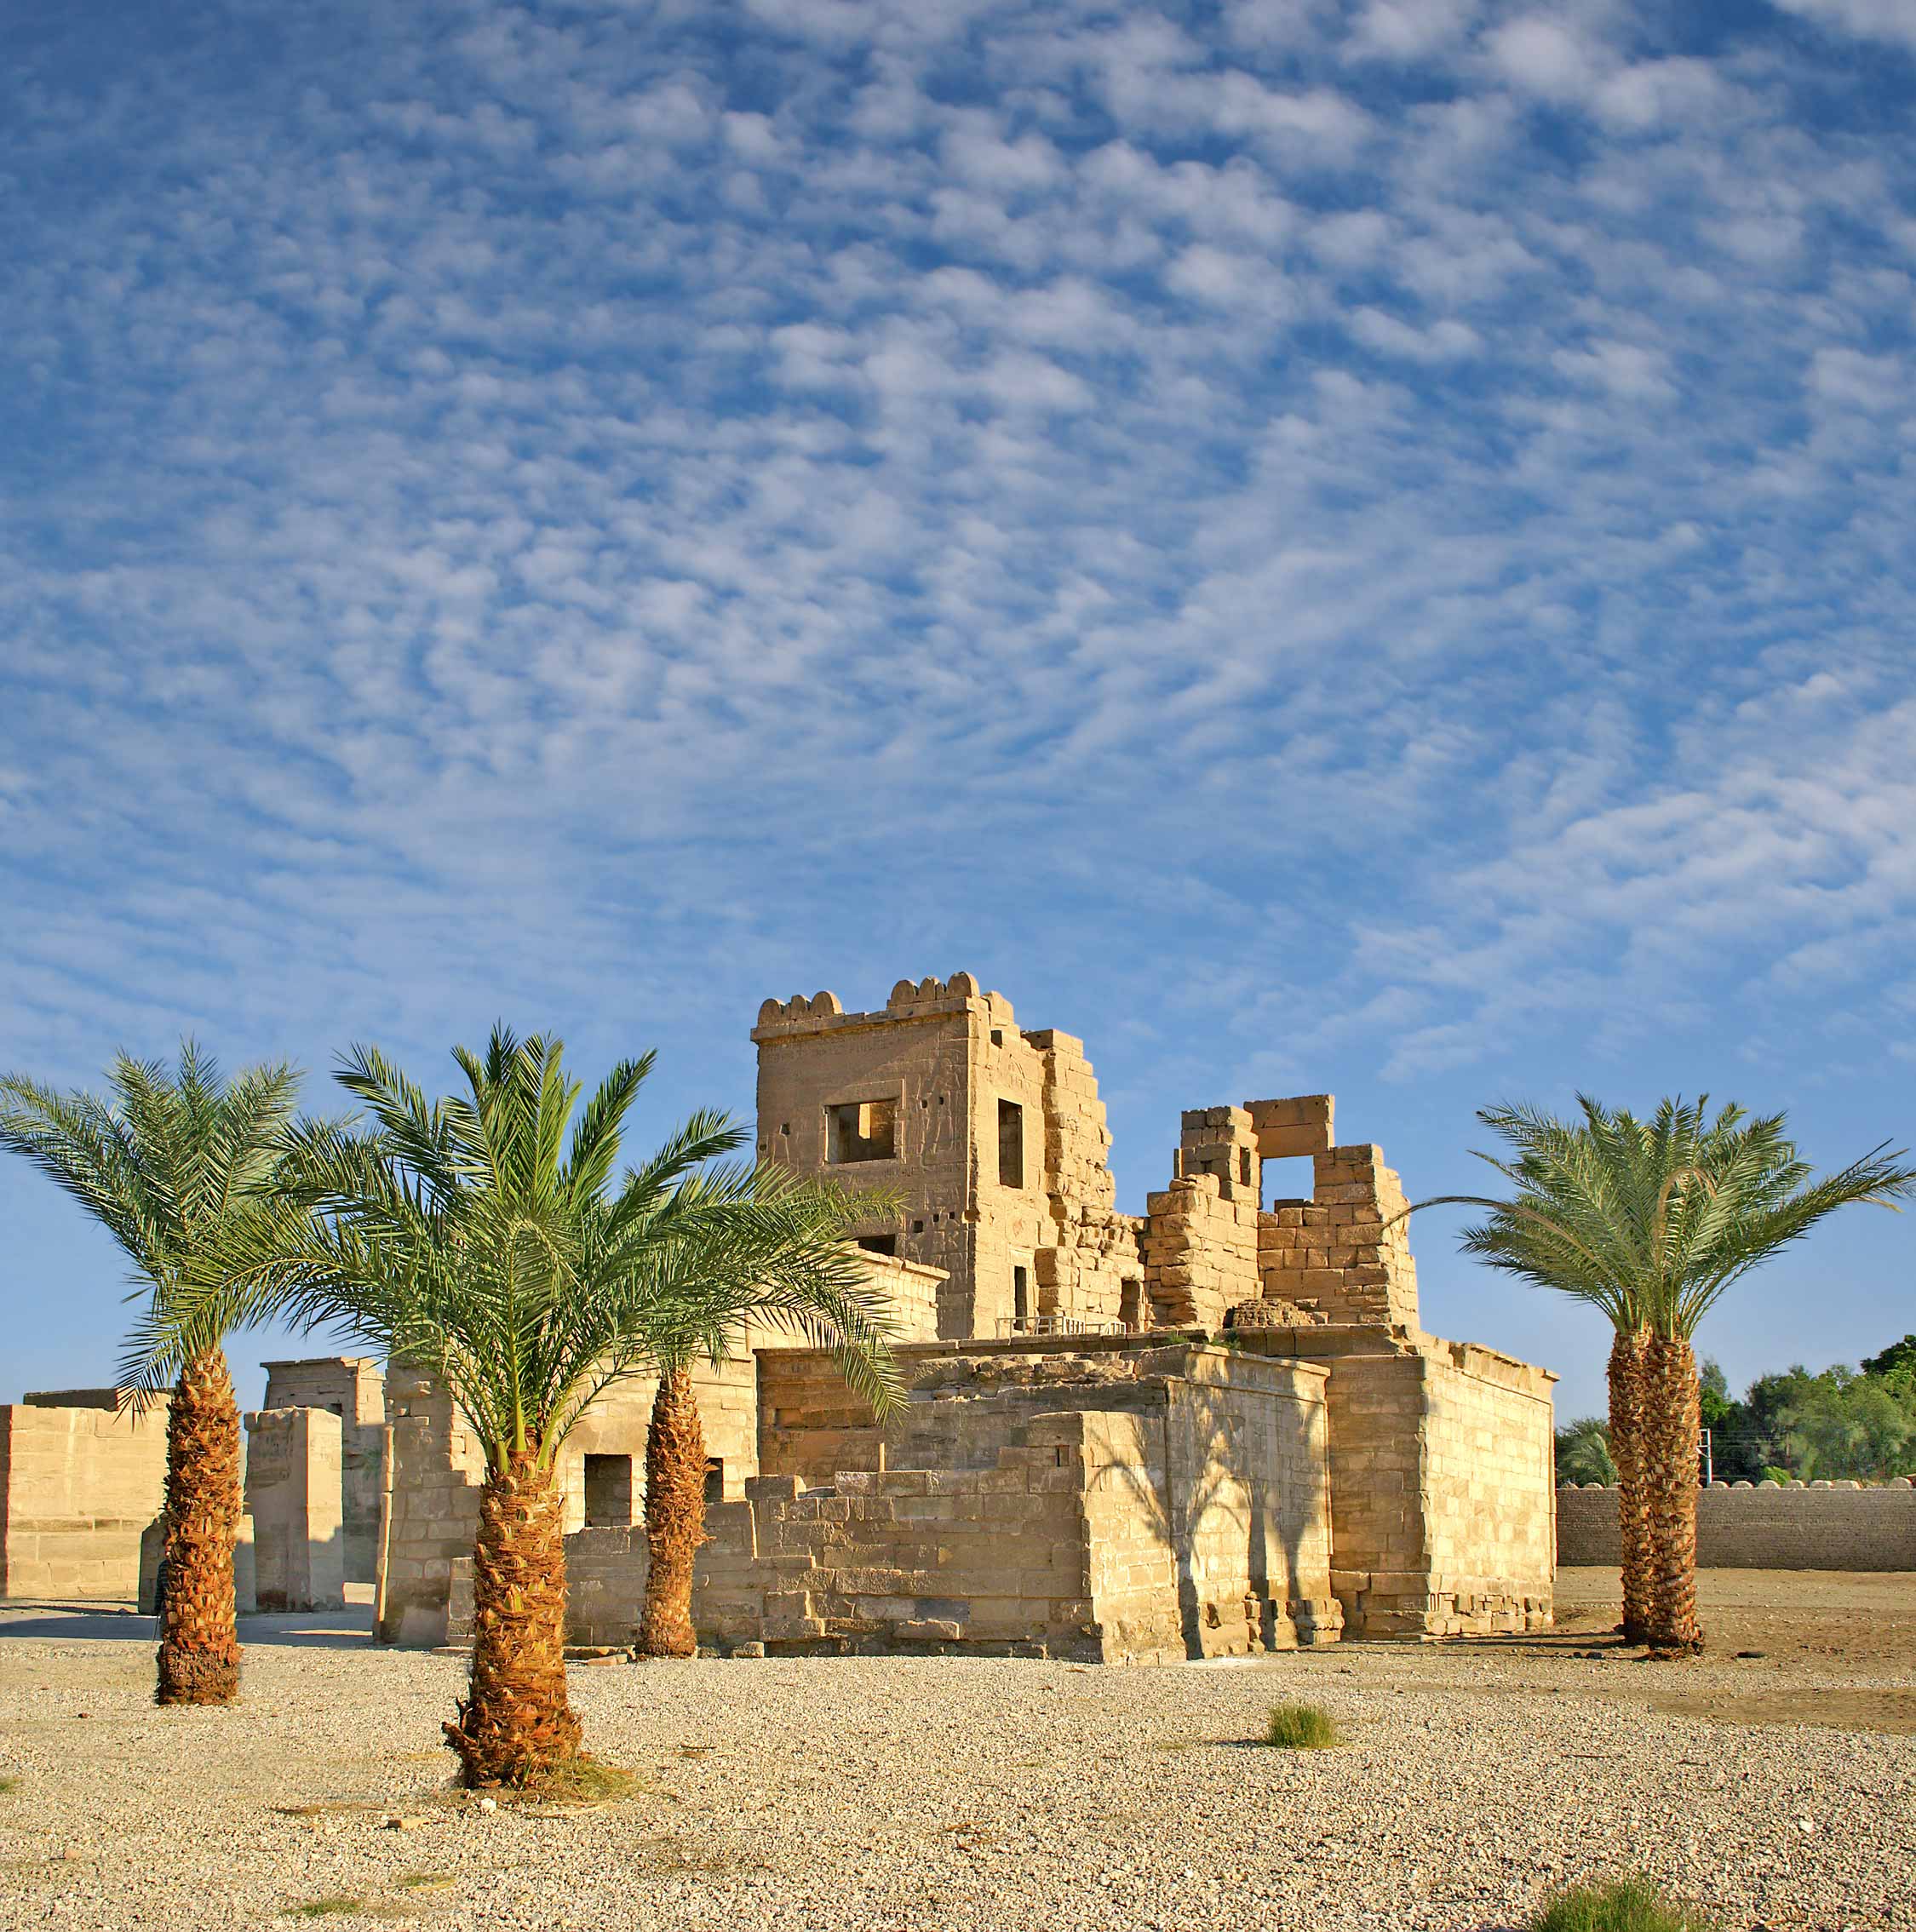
<point>1210,1428</point>
<point>1213,1428</point>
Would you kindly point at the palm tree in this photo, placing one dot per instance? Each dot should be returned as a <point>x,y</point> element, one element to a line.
<point>174,1166</point>
<point>1563,1176</point>
<point>473,1238</point>
<point>1651,1221</point>
<point>787,1263</point>
<point>1583,1452</point>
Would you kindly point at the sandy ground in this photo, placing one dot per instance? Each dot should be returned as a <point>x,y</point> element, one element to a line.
<point>807,1795</point>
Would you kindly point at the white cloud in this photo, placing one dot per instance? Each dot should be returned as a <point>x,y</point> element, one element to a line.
<point>1627,370</point>
<point>1410,30</point>
<point>1890,21</point>
<point>734,505</point>
<point>1443,341</point>
<point>1541,56</point>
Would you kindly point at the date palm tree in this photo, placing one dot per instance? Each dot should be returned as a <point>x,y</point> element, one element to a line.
<point>1583,1452</point>
<point>1652,1221</point>
<point>1565,1178</point>
<point>174,1166</point>
<point>475,1238</point>
<point>789,1264</point>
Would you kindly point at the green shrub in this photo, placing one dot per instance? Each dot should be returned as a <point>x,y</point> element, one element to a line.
<point>1301,1727</point>
<point>1624,1905</point>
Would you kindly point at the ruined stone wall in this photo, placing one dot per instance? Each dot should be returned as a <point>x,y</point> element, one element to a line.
<point>605,1583</point>
<point>77,1488</point>
<point>352,1388</point>
<point>911,1290</point>
<point>1201,1253</point>
<point>1092,1269</point>
<point>811,1426</point>
<point>293,1495</point>
<point>1817,1525</point>
<point>1490,1453</point>
<point>1016,1559</point>
<point>1338,1254</point>
<point>439,1468</point>
<point>1248,1477</point>
<point>1230,1468</point>
<point>1381,1548</point>
<point>616,1424</point>
<point>1132,1521</point>
<point>1441,1505</point>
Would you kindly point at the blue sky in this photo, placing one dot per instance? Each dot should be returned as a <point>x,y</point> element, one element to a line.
<point>1356,546</point>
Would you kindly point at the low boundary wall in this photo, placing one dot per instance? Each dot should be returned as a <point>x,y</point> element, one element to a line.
<point>79,1481</point>
<point>1816,1526</point>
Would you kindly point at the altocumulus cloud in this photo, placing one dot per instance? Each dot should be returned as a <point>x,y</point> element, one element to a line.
<point>1321,543</point>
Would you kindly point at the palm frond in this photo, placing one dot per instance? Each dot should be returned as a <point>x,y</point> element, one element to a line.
<point>173,1164</point>
<point>1652,1220</point>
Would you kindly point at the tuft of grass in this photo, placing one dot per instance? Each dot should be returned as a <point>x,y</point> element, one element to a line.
<point>1623,1905</point>
<point>325,1907</point>
<point>8,1785</point>
<point>426,1881</point>
<point>1302,1727</point>
<point>579,1780</point>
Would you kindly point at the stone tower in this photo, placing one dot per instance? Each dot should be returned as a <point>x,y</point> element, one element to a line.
<point>993,1138</point>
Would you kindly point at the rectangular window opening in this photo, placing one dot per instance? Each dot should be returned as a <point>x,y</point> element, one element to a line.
<point>1130,1302</point>
<point>862,1129</point>
<point>608,1492</point>
<point>715,1479</point>
<point>1277,1179</point>
<point>878,1244</point>
<point>1021,1293</point>
<point>1011,1144</point>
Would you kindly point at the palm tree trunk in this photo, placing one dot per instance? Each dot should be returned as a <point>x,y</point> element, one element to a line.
<point>199,1643</point>
<point>1627,1429</point>
<point>674,1517</point>
<point>1672,1415</point>
<point>514,1724</point>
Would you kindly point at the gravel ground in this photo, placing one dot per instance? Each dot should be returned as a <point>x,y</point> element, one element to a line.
<point>824,1793</point>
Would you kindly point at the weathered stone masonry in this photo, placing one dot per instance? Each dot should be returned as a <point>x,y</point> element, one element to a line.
<point>1214,1425</point>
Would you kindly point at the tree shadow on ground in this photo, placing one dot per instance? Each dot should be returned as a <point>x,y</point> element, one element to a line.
<point>1539,1643</point>
<point>303,1629</point>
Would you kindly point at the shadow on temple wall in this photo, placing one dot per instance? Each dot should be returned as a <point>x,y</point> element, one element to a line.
<point>1213,1502</point>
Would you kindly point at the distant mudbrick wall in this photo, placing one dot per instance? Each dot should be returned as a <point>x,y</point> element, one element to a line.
<point>1817,1525</point>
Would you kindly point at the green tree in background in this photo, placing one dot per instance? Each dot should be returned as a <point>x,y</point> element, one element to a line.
<point>1897,1362</point>
<point>1583,1451</point>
